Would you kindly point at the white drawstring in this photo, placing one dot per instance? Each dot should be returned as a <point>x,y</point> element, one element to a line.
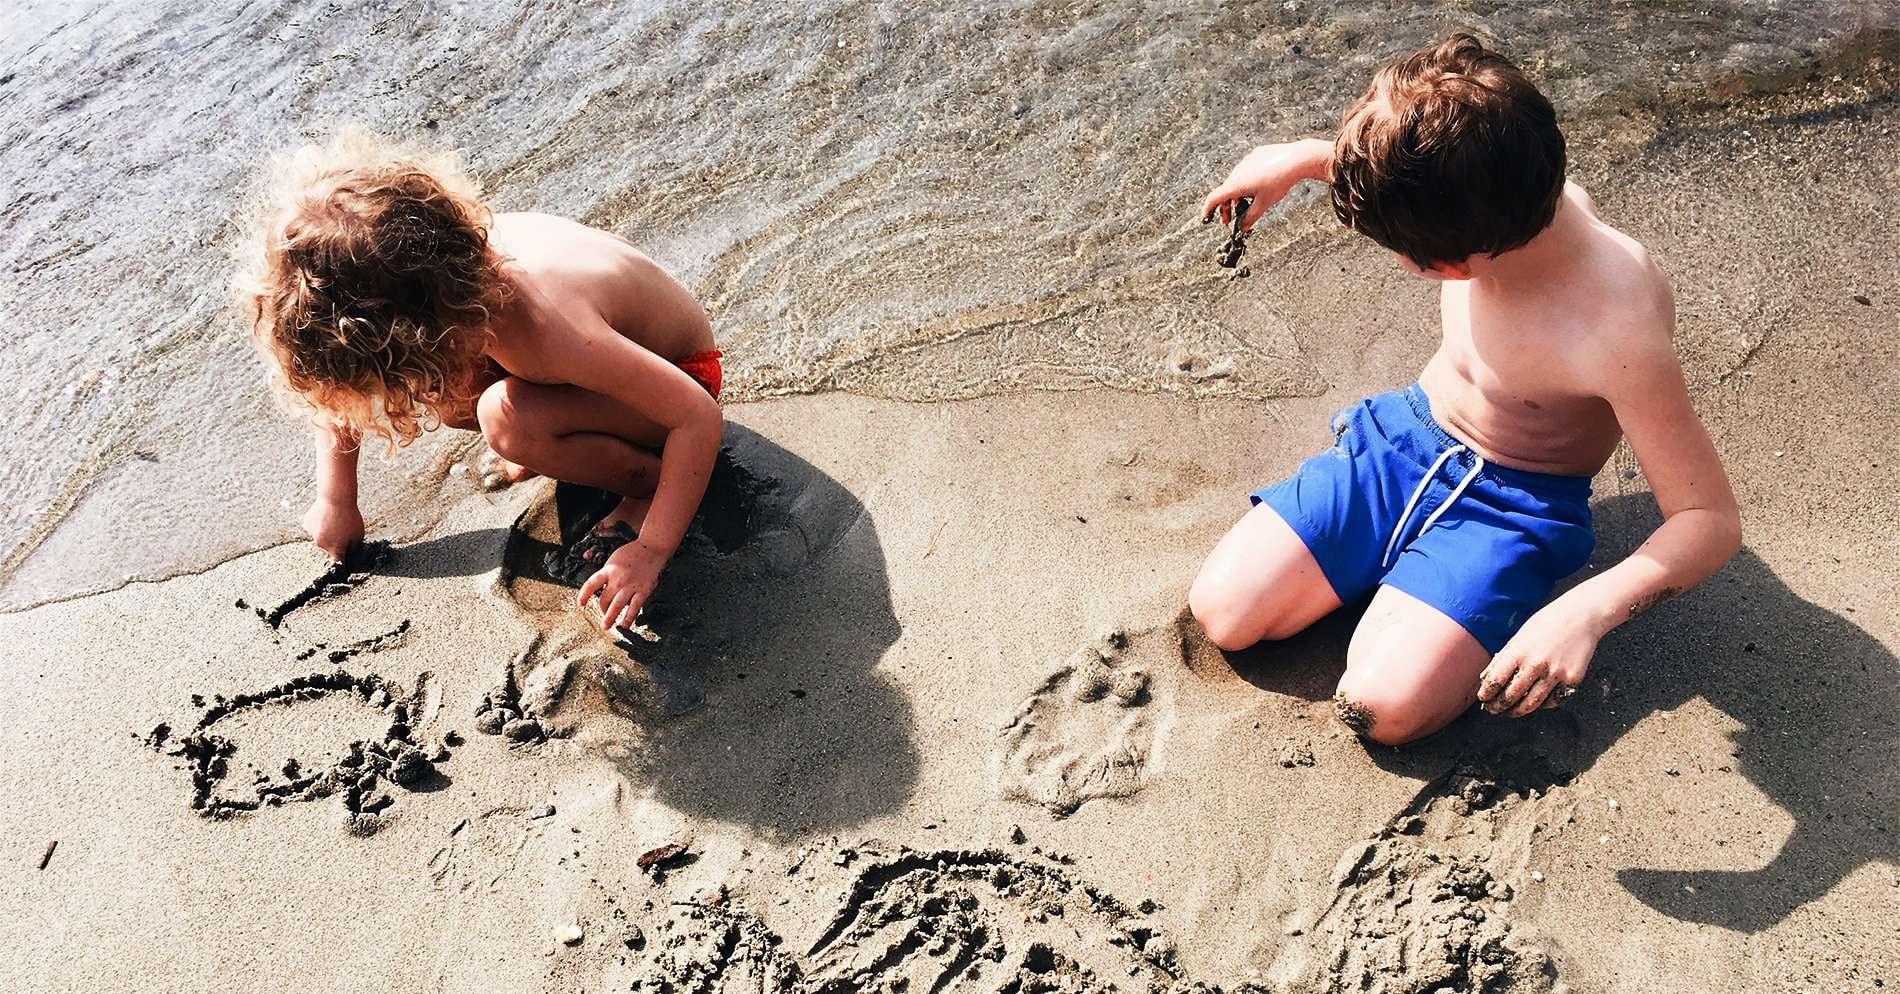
<point>1385,561</point>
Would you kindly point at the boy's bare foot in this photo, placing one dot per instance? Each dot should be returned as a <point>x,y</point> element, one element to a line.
<point>502,471</point>
<point>631,511</point>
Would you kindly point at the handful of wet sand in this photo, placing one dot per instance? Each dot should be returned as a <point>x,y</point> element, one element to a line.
<point>1229,255</point>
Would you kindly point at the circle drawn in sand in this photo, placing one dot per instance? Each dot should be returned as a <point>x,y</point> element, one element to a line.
<point>360,776</point>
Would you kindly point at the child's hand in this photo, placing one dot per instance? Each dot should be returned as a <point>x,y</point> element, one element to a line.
<point>1541,664</point>
<point>625,582</point>
<point>334,526</point>
<point>1265,175</point>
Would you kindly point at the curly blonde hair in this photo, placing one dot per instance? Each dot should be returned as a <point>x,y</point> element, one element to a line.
<point>369,282</point>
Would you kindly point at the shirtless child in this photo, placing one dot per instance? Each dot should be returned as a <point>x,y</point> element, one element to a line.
<point>1464,498</point>
<point>392,301</point>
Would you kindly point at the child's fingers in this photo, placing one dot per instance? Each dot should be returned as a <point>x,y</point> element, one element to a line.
<point>1535,698</point>
<point>1521,684</point>
<point>1212,201</point>
<point>591,587</point>
<point>1496,677</point>
<point>1221,201</point>
<point>614,608</point>
<point>1255,211</point>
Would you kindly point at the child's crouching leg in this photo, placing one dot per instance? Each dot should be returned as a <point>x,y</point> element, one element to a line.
<point>1409,672</point>
<point>1259,584</point>
<point>570,434</point>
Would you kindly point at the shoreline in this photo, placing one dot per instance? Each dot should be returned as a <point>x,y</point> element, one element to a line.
<point>1107,296</point>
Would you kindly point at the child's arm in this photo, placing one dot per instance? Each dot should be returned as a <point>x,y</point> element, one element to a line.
<point>1265,176</point>
<point>1701,529</point>
<point>606,362</point>
<point>333,521</point>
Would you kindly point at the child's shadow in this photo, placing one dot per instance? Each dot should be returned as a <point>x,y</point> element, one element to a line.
<point>761,702</point>
<point>1815,695</point>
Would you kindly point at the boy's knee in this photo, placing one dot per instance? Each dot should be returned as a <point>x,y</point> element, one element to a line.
<point>1220,618</point>
<point>1377,713</point>
<point>498,411</point>
<point>1234,625</point>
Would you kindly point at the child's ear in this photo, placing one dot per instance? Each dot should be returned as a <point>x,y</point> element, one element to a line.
<point>1460,270</point>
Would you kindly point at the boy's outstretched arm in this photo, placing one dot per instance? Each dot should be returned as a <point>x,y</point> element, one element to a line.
<point>1266,175</point>
<point>1701,529</point>
<point>333,520</point>
<point>606,362</point>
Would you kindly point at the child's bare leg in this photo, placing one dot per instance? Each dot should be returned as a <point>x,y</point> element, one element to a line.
<point>1409,671</point>
<point>575,435</point>
<point>1259,583</point>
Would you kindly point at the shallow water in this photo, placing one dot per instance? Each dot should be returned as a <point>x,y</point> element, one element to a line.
<point>884,198</point>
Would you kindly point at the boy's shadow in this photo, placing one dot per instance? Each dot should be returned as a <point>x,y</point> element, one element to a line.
<point>761,702</point>
<point>1815,695</point>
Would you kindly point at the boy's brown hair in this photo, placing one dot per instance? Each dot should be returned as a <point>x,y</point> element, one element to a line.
<point>1451,152</point>
<point>369,281</point>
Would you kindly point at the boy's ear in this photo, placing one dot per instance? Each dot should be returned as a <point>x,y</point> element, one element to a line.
<point>1460,270</point>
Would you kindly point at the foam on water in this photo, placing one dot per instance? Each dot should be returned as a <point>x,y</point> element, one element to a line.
<point>877,197</point>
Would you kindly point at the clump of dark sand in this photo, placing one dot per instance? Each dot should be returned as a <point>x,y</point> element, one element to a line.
<point>1236,245</point>
<point>358,777</point>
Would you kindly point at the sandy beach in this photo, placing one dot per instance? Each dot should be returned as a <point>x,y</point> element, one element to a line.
<point>921,710</point>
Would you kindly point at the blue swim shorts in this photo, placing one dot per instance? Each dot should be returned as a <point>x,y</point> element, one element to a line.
<point>1398,501</point>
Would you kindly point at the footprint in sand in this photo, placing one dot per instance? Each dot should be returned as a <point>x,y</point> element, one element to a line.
<point>484,849</point>
<point>1090,729</point>
<point>1423,905</point>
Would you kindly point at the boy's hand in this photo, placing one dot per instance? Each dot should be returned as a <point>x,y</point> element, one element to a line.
<point>1541,664</point>
<point>625,582</point>
<point>334,526</point>
<point>1265,175</point>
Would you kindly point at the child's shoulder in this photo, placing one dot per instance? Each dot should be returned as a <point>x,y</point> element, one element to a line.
<point>1620,275</point>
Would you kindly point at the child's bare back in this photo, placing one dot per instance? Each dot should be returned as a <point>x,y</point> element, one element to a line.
<point>570,278</point>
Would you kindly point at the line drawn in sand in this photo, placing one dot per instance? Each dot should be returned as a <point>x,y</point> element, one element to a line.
<point>1423,905</point>
<point>929,922</point>
<point>359,775</point>
<point>1094,727</point>
<point>343,576</point>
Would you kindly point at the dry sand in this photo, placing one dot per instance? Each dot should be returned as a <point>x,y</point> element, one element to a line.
<point>924,715</point>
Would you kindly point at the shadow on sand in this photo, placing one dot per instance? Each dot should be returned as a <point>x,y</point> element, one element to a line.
<point>1816,698</point>
<point>761,702</point>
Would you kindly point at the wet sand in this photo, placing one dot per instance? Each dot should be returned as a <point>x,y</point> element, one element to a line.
<point>923,713</point>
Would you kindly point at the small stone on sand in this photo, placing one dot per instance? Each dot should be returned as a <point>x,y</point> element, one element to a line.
<point>570,935</point>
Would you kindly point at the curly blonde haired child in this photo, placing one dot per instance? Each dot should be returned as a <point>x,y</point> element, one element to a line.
<point>391,301</point>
